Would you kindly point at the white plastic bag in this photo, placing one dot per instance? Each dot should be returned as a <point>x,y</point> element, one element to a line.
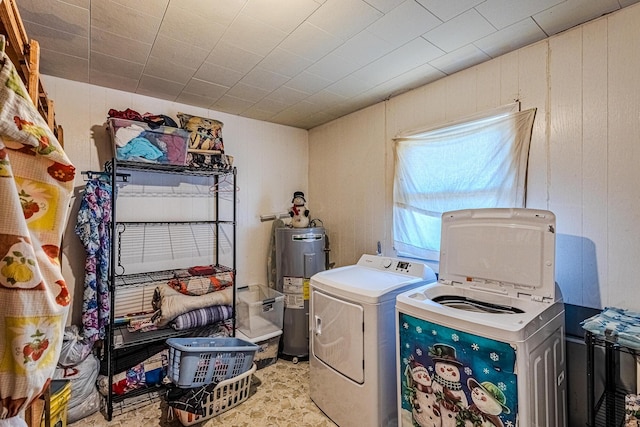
<point>13,422</point>
<point>74,348</point>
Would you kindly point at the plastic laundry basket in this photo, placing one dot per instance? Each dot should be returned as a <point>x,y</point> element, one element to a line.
<point>226,395</point>
<point>195,362</point>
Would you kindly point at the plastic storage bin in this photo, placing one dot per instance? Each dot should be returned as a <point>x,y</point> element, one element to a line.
<point>260,310</point>
<point>227,394</point>
<point>59,403</point>
<point>269,345</point>
<point>139,142</point>
<point>195,362</point>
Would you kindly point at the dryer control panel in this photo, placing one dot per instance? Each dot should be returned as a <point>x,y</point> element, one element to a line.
<point>409,268</point>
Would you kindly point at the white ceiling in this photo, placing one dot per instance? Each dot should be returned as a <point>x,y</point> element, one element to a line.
<point>294,62</point>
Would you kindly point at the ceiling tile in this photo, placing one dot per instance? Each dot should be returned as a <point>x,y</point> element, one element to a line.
<point>255,113</point>
<point>310,42</point>
<point>155,8</point>
<point>60,41</point>
<point>194,99</point>
<point>414,78</point>
<point>308,83</point>
<point>154,86</point>
<point>344,18</point>
<point>270,105</point>
<point>502,13</point>
<point>404,23</point>
<point>233,58</point>
<point>446,10</point>
<point>401,60</point>
<point>460,59</point>
<point>131,23</point>
<point>217,74</point>
<point>113,65</point>
<point>299,111</point>
<point>325,98</point>
<point>573,12</point>
<point>511,38</point>
<point>333,67</point>
<point>284,62</point>
<point>192,26</point>
<point>252,35</point>
<point>384,6</point>
<point>248,93</point>
<point>229,104</point>
<point>121,47</point>
<point>58,15</point>
<point>219,11</point>
<point>176,72</point>
<point>80,3</point>
<point>65,66</point>
<point>211,91</point>
<point>259,77</point>
<point>177,52</point>
<point>287,95</point>
<point>113,81</point>
<point>460,31</point>
<point>363,48</point>
<point>350,86</point>
<point>284,15</point>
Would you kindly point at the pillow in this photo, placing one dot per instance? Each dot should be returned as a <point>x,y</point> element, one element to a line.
<point>206,134</point>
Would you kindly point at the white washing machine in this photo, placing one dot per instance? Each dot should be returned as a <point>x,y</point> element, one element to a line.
<point>485,344</point>
<point>352,339</point>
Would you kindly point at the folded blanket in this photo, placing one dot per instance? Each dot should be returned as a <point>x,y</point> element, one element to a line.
<point>202,317</point>
<point>202,284</point>
<point>616,324</point>
<point>170,303</point>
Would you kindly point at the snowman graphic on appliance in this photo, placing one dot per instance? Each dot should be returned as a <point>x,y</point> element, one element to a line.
<point>446,383</point>
<point>426,412</point>
<point>488,403</point>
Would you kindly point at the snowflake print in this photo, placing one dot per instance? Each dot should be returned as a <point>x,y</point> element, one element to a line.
<point>418,329</point>
<point>486,371</point>
<point>406,345</point>
<point>434,332</point>
<point>509,424</point>
<point>494,357</point>
<point>419,351</point>
<point>475,347</point>
<point>502,386</point>
<point>455,337</point>
<point>405,325</point>
<point>468,371</point>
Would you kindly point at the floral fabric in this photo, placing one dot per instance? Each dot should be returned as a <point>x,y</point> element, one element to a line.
<point>92,227</point>
<point>36,183</point>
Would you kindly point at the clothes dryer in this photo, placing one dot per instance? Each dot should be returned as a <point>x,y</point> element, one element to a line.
<point>352,341</point>
<point>485,344</point>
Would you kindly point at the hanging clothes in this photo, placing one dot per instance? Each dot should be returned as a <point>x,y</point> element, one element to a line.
<point>92,227</point>
<point>36,184</point>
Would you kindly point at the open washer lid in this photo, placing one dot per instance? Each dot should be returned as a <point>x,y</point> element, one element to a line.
<point>508,251</point>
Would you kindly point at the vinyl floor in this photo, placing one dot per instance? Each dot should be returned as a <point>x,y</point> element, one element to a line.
<point>279,396</point>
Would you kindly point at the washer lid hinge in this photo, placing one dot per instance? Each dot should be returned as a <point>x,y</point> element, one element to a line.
<point>536,298</point>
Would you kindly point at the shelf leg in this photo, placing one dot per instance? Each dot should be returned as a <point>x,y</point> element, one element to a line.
<point>590,381</point>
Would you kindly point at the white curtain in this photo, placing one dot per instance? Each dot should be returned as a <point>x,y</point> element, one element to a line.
<point>480,162</point>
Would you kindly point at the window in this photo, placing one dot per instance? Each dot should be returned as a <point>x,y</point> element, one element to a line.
<point>477,163</point>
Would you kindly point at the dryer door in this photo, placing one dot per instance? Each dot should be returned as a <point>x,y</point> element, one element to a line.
<point>338,336</point>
